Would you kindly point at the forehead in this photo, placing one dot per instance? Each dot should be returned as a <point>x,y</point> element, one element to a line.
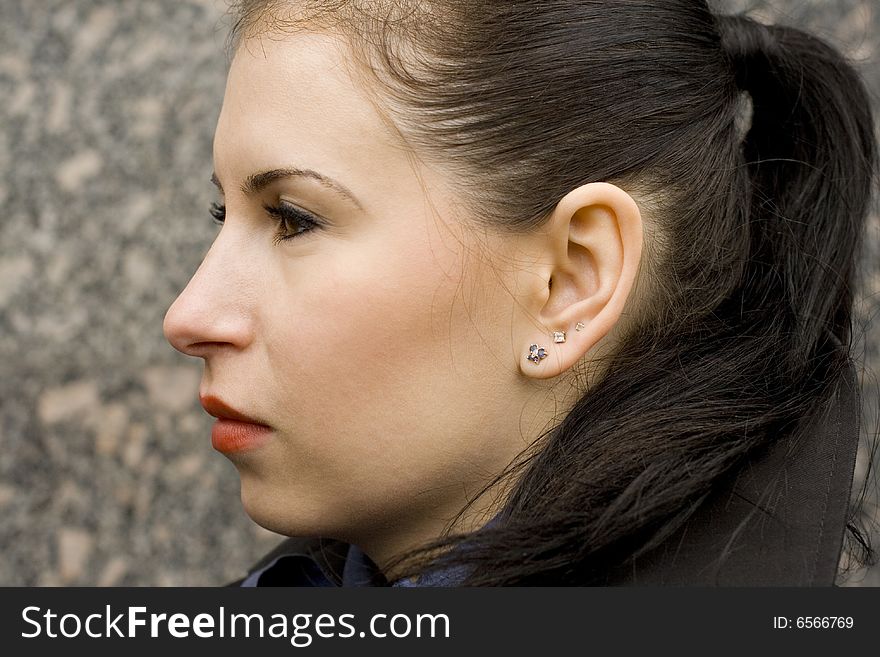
<point>296,97</point>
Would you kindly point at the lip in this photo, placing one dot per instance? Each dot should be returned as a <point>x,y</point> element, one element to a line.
<point>233,431</point>
<point>223,411</point>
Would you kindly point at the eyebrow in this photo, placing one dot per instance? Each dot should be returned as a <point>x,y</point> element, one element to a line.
<point>257,182</point>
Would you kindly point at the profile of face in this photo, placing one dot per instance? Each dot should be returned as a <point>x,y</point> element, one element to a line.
<point>349,305</point>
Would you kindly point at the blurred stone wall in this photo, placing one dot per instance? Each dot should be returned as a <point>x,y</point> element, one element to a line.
<point>107,113</point>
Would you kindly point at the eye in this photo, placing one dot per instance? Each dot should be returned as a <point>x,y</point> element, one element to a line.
<point>218,212</point>
<point>292,221</point>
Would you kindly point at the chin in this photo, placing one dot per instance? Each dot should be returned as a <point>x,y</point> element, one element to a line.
<point>284,512</point>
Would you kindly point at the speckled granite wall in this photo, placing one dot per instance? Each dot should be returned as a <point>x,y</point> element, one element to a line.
<point>107,112</point>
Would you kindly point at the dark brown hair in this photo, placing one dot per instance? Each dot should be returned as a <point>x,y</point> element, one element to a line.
<point>748,272</point>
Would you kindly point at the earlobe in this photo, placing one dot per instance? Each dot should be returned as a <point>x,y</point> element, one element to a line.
<point>592,250</point>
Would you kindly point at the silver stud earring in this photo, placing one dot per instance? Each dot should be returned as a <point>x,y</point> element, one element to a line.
<point>536,353</point>
<point>558,336</point>
<point>580,326</point>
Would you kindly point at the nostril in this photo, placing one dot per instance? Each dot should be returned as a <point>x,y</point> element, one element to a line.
<point>201,347</point>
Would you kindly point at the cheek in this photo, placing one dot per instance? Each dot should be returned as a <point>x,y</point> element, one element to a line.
<point>360,339</point>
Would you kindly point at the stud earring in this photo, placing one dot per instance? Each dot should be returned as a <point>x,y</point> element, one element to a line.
<point>558,336</point>
<point>580,326</point>
<point>536,353</point>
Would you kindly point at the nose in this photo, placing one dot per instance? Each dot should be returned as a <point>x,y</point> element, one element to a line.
<point>213,311</point>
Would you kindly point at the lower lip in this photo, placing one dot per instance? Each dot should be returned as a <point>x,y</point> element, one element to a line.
<point>230,436</point>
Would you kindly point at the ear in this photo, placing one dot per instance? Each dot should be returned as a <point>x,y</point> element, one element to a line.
<point>583,268</point>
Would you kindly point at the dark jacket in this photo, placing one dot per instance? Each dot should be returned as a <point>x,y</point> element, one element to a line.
<point>779,521</point>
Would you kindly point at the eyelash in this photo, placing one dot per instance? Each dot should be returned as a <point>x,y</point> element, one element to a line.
<point>285,214</point>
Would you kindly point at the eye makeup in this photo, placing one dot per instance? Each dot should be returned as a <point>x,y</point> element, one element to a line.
<point>292,221</point>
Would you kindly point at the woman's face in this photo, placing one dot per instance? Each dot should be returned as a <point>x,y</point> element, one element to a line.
<point>376,345</point>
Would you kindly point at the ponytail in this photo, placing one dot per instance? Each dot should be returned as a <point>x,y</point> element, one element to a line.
<point>810,155</point>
